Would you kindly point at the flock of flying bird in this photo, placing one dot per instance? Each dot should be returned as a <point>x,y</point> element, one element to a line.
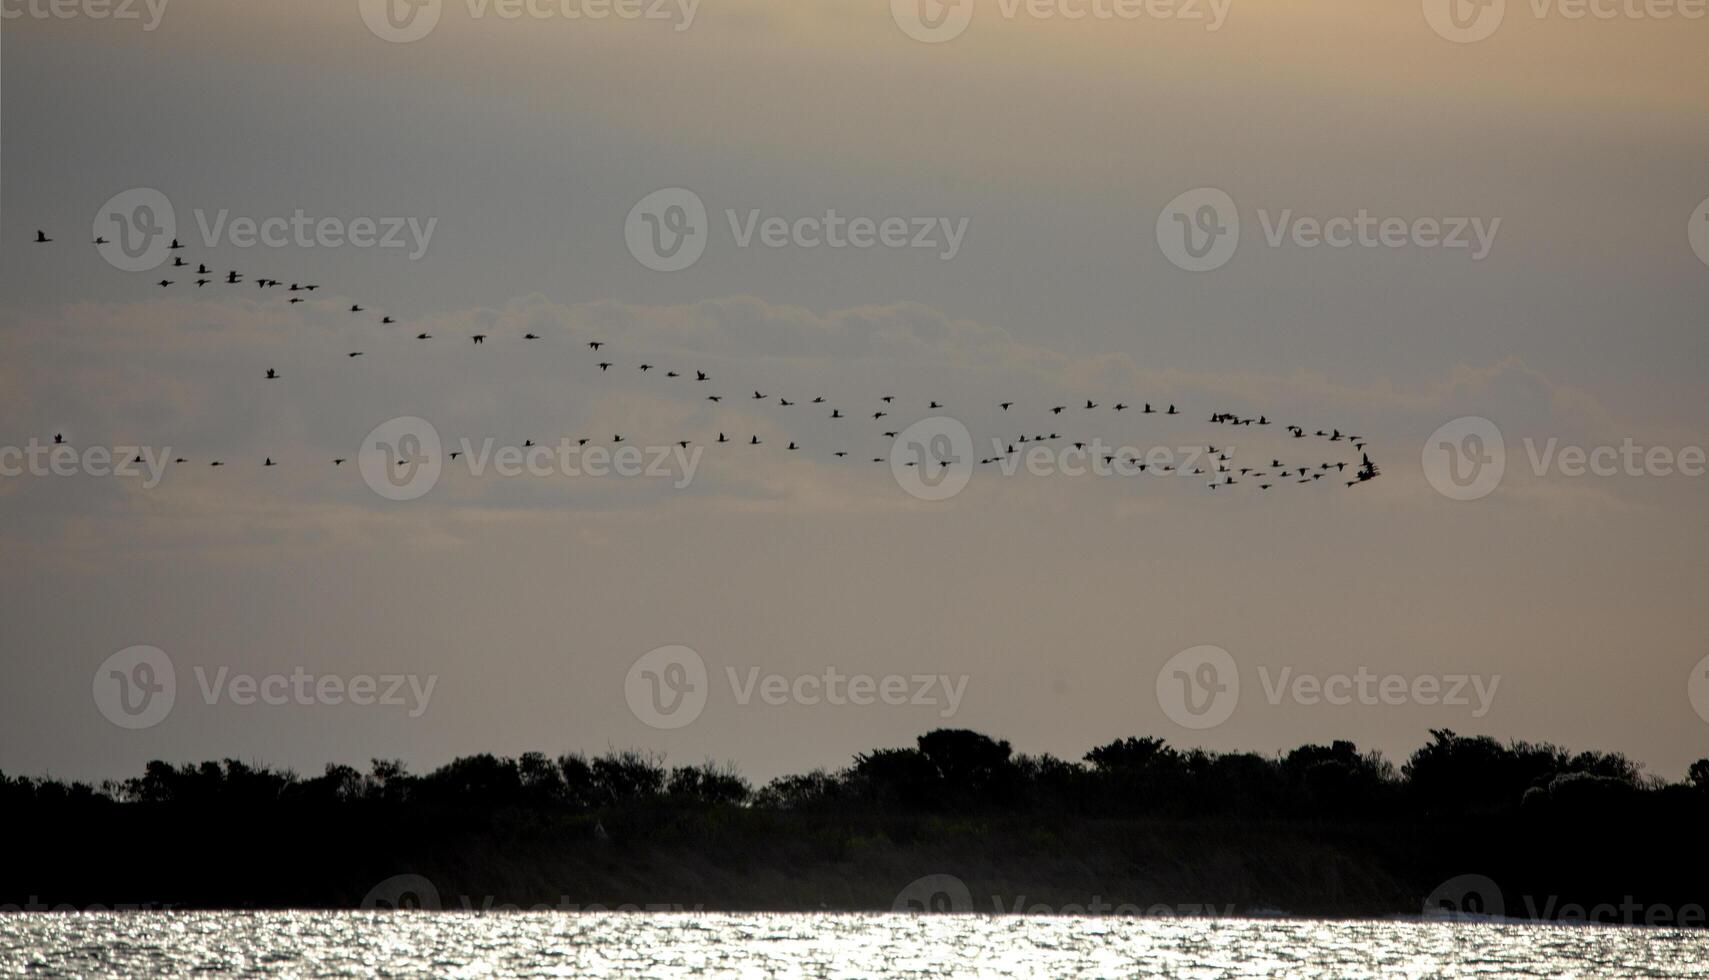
<point>1225,474</point>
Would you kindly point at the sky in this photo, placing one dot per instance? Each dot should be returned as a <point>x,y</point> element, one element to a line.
<point>1523,257</point>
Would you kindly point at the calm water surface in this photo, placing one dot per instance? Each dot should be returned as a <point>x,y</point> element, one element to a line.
<point>449,944</point>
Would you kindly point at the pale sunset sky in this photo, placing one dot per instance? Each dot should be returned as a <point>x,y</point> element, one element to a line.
<point>1054,145</point>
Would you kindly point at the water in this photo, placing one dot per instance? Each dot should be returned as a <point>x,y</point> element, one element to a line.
<point>547,944</point>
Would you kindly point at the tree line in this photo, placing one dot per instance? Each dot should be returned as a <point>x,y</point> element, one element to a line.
<point>950,771</point>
